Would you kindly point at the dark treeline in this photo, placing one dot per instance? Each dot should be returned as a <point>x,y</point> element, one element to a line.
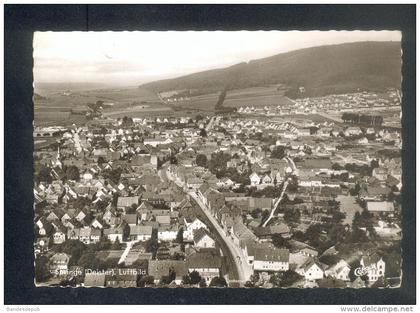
<point>219,108</point>
<point>355,118</point>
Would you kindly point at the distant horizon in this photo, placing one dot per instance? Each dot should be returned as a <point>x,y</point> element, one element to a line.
<point>134,82</point>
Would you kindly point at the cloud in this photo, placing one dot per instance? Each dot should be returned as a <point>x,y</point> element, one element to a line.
<point>136,57</point>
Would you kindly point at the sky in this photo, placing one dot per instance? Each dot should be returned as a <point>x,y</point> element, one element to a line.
<point>134,58</point>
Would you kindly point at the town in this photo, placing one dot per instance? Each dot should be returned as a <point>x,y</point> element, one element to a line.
<point>257,198</point>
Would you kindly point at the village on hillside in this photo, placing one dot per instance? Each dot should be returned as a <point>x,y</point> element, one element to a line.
<point>257,198</point>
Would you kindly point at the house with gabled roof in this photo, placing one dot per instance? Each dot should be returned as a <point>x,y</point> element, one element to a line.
<point>240,233</point>
<point>167,232</point>
<point>110,217</point>
<point>140,232</point>
<point>203,239</point>
<point>127,202</point>
<point>160,268</point>
<point>255,179</point>
<point>340,270</point>
<point>191,226</point>
<point>311,269</point>
<point>114,234</point>
<point>265,257</point>
<point>207,263</point>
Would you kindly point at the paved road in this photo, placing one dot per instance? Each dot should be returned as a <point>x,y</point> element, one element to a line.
<point>285,183</point>
<point>210,124</point>
<point>241,272</point>
<point>244,270</point>
<point>126,251</point>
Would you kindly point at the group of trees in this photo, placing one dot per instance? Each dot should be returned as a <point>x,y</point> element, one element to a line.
<point>284,279</point>
<point>332,232</point>
<point>167,279</point>
<point>218,163</point>
<point>42,269</point>
<point>113,175</point>
<point>201,160</point>
<point>152,245</point>
<point>291,216</point>
<point>218,166</point>
<point>268,192</point>
<point>355,118</point>
<point>193,278</point>
<point>127,121</point>
<point>362,169</point>
<point>278,152</point>
<point>280,242</point>
<point>44,175</point>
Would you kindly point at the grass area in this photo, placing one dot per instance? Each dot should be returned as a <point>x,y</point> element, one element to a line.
<point>258,101</point>
<point>56,107</point>
<point>257,96</point>
<point>202,102</point>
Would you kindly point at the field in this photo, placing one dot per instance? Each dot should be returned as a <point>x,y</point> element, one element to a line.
<point>138,111</point>
<point>202,103</point>
<point>257,97</point>
<point>56,106</point>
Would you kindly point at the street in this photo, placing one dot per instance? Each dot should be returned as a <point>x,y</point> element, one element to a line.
<point>244,271</point>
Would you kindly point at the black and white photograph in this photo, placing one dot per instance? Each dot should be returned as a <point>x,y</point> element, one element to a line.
<point>215,154</point>
<point>217,159</point>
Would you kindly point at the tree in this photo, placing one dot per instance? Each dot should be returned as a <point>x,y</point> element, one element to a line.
<point>202,283</point>
<point>132,209</point>
<point>285,279</point>
<point>126,232</point>
<point>374,163</point>
<point>292,216</point>
<point>255,213</point>
<point>173,160</point>
<point>74,248</point>
<point>114,175</point>
<point>180,236</point>
<point>127,121</point>
<point>330,282</point>
<point>264,215</point>
<point>218,282</point>
<point>358,236</point>
<point>72,173</point>
<point>44,175</point>
<point>279,241</point>
<point>203,133</point>
<point>195,277</point>
<point>101,160</point>
<point>338,217</point>
<point>89,260</point>
<point>299,235</point>
<point>146,281</point>
<point>201,160</point>
<point>152,245</point>
<point>103,244</point>
<point>186,280</point>
<point>278,152</point>
<point>172,274</point>
<point>42,269</point>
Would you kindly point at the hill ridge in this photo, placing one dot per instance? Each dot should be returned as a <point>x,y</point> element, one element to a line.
<point>368,65</point>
